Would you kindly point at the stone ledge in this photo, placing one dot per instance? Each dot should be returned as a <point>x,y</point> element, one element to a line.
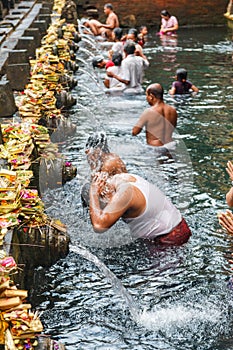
<point>26,12</point>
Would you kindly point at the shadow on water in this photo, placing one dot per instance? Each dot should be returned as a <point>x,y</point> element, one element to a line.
<point>124,294</point>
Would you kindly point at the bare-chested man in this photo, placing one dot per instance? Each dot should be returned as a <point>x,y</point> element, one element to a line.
<point>105,30</point>
<point>159,120</point>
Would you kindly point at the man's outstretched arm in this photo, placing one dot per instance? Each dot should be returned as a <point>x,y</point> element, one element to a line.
<point>140,123</point>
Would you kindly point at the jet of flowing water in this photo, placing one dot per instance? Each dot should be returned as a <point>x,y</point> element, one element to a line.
<point>90,92</point>
<point>88,52</point>
<point>91,39</point>
<point>115,282</point>
<point>92,77</point>
<point>165,318</point>
<point>86,109</point>
<point>93,44</point>
<point>81,60</point>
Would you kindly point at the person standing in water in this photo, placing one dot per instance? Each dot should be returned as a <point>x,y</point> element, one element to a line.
<point>148,212</point>
<point>159,120</point>
<point>112,83</point>
<point>118,46</point>
<point>182,85</point>
<point>132,70</point>
<point>169,24</point>
<point>142,36</point>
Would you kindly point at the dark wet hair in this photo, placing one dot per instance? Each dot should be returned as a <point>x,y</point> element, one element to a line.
<point>117,58</point>
<point>181,74</point>
<point>129,47</point>
<point>133,31</point>
<point>165,13</point>
<point>156,90</point>
<point>98,140</point>
<point>109,6</point>
<point>141,28</point>
<point>118,32</point>
<point>96,60</point>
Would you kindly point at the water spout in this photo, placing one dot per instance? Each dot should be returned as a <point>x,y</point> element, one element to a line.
<point>93,44</point>
<point>81,60</point>
<point>88,52</point>
<point>85,108</point>
<point>90,39</point>
<point>115,282</point>
<point>94,78</point>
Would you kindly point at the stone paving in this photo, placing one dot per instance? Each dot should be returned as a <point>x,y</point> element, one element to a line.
<point>20,34</point>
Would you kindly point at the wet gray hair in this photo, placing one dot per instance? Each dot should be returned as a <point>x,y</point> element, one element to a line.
<point>98,140</point>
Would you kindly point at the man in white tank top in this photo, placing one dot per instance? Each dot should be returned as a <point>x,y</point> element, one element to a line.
<point>148,212</point>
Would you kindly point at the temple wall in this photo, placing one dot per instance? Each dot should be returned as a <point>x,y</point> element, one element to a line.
<point>198,12</point>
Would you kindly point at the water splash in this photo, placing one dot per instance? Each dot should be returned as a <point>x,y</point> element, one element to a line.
<point>168,319</point>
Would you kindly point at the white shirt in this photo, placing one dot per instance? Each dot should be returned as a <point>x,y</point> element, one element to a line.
<point>160,215</point>
<point>118,47</point>
<point>117,70</point>
<point>133,70</point>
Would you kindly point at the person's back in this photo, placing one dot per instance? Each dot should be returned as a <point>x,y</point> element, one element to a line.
<point>182,86</point>
<point>160,215</point>
<point>159,120</point>
<point>133,71</point>
<point>133,66</point>
<point>159,125</point>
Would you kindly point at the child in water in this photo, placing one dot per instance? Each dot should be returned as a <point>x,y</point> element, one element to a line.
<point>182,85</point>
<point>142,36</point>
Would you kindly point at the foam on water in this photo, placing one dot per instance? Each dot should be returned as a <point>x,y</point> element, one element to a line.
<point>178,316</point>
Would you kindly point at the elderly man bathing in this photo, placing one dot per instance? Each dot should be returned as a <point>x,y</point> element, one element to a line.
<point>147,211</point>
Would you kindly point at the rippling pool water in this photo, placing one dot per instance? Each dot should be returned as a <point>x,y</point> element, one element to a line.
<point>128,296</point>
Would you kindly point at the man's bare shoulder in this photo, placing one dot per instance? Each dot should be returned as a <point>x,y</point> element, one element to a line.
<point>151,112</point>
<point>169,108</point>
<point>113,18</point>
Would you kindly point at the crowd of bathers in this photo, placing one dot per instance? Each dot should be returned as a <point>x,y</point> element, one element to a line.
<point>127,197</point>
<point>126,60</point>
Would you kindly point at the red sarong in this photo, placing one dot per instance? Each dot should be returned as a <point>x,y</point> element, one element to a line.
<point>178,236</point>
